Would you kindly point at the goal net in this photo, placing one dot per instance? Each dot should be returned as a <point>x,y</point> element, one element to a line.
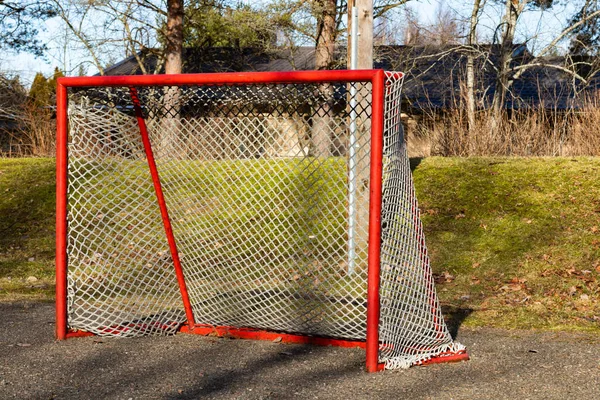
<point>275,202</point>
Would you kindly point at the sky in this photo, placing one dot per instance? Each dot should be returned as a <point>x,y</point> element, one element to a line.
<point>546,23</point>
<point>26,65</point>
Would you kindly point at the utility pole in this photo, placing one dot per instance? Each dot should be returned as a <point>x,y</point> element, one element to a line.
<point>363,20</point>
<point>360,56</point>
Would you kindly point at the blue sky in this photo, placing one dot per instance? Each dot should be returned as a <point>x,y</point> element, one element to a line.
<point>547,24</point>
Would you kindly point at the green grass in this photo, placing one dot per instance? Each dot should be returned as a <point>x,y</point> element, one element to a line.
<point>514,242</point>
<point>518,239</point>
<point>27,229</point>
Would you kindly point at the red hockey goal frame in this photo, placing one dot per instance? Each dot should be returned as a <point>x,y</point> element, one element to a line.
<point>375,77</point>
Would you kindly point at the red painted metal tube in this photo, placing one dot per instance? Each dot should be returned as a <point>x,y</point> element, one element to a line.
<point>447,357</point>
<point>78,334</point>
<point>377,105</point>
<point>61,212</point>
<point>222,78</point>
<point>164,212</point>
<point>258,334</point>
<point>395,74</point>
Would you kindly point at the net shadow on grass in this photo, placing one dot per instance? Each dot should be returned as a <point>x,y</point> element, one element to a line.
<point>415,162</point>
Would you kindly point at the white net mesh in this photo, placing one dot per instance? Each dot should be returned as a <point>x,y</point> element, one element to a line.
<point>262,183</point>
<point>412,328</point>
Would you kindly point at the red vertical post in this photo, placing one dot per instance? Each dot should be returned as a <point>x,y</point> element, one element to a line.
<point>163,206</point>
<point>374,255</point>
<point>61,211</point>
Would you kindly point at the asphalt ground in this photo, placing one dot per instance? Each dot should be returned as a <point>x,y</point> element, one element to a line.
<point>503,365</point>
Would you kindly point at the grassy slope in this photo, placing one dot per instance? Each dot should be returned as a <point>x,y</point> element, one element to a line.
<point>514,242</point>
<point>26,229</point>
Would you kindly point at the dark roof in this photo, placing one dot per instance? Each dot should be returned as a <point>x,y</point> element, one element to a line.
<point>434,74</point>
<point>222,59</point>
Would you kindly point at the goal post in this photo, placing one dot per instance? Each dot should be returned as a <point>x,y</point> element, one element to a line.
<point>242,225</point>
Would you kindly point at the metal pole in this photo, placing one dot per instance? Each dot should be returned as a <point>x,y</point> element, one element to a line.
<point>61,211</point>
<point>374,261</point>
<point>189,313</point>
<point>353,147</point>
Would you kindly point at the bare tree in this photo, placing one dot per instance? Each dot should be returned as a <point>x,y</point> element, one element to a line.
<point>108,29</point>
<point>471,42</point>
<point>507,72</point>
<point>412,30</point>
<point>513,10</point>
<point>447,28</point>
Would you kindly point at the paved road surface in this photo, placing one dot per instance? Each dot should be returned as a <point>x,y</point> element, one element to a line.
<point>504,365</point>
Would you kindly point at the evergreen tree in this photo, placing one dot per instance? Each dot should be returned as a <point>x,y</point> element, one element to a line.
<point>226,24</point>
<point>43,90</point>
<point>40,92</point>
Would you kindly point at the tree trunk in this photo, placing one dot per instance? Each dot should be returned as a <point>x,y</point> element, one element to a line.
<point>512,12</point>
<point>170,136</point>
<point>325,43</point>
<point>174,37</point>
<point>324,58</point>
<point>471,42</point>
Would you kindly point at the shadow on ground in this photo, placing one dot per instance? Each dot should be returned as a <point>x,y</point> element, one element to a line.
<point>503,365</point>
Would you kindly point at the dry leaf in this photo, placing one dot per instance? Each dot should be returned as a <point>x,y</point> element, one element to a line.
<point>515,287</point>
<point>518,280</point>
<point>448,277</point>
<point>572,290</point>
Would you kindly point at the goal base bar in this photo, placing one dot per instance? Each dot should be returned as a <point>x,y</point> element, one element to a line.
<point>257,334</point>
<point>447,357</point>
<point>281,337</point>
<point>78,334</point>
